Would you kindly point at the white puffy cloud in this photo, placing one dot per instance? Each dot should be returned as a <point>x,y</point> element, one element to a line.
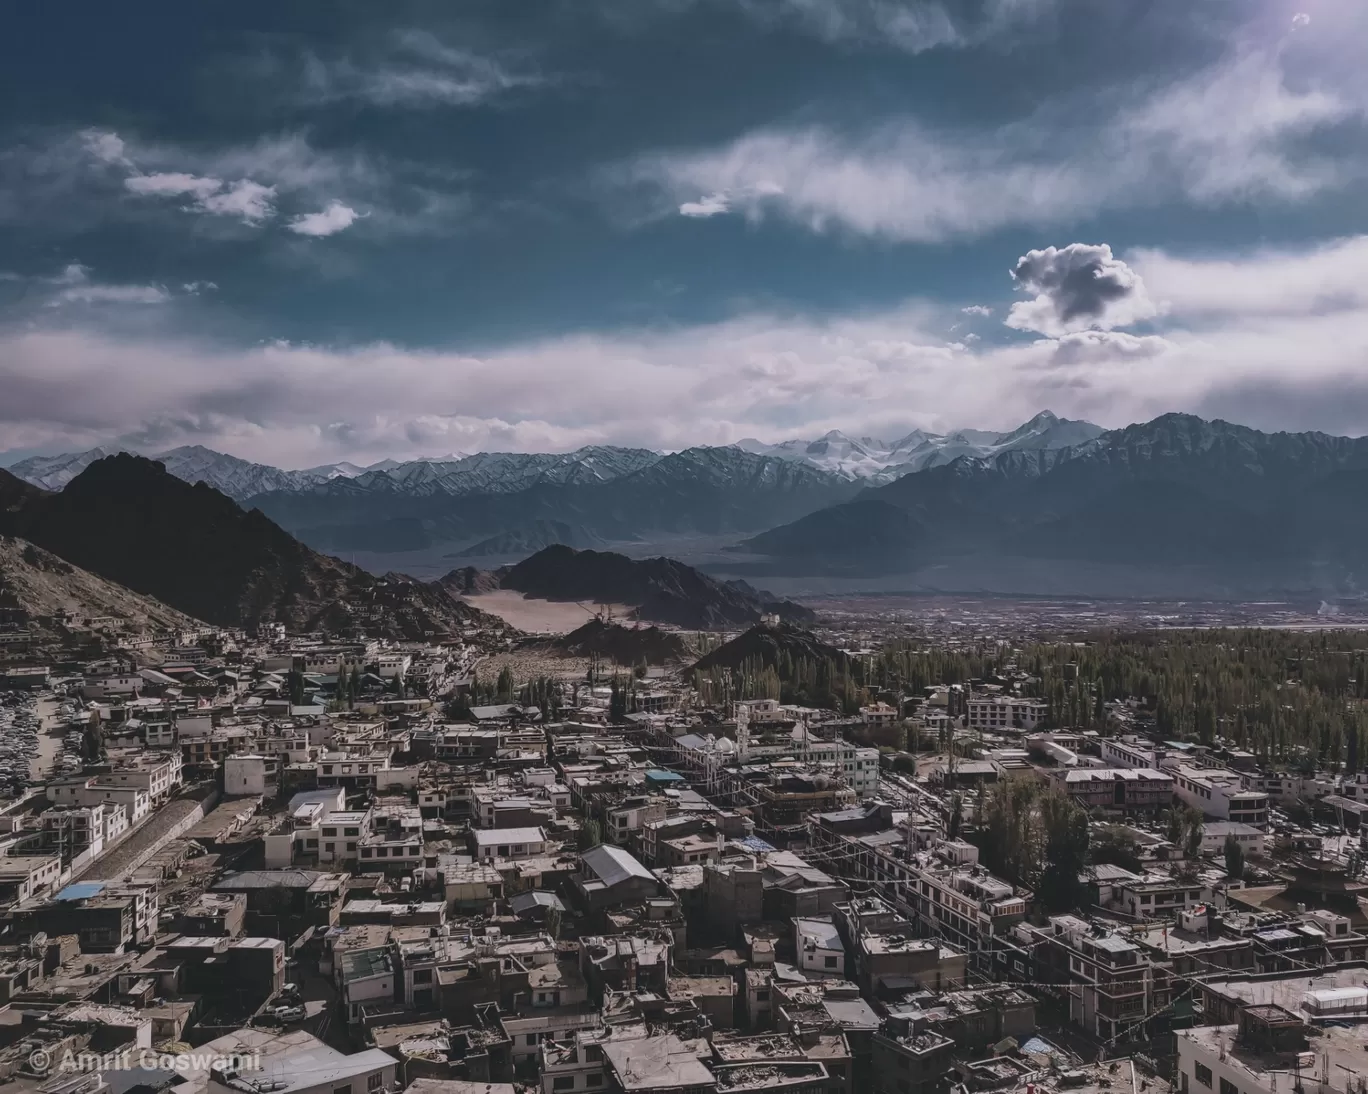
<point>1078,287</point>
<point>74,285</point>
<point>710,205</point>
<point>1301,19</point>
<point>105,147</point>
<point>249,182</point>
<point>977,309</point>
<point>335,218</point>
<point>1307,281</point>
<point>1090,346</point>
<point>246,200</point>
<point>172,184</point>
<point>1235,132</point>
<point>412,68</point>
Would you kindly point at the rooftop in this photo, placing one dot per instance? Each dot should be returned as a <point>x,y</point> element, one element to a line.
<point>662,1062</point>
<point>1338,1054</point>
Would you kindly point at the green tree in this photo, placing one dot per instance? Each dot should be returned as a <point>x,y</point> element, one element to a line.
<point>295,688</point>
<point>1066,850</point>
<point>504,689</point>
<point>1234,858</point>
<point>590,835</point>
<point>1118,847</point>
<point>955,821</point>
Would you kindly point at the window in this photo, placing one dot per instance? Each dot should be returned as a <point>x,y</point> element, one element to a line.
<point>1201,1073</point>
<point>365,852</point>
<point>351,832</point>
<point>422,976</point>
<point>829,962</point>
<point>351,846</point>
<point>1227,1087</point>
<point>503,851</point>
<point>565,1082</point>
<point>594,1078</point>
<point>342,1089</point>
<point>375,1082</point>
<point>330,847</point>
<point>330,831</point>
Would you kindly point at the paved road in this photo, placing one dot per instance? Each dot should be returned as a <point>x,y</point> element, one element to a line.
<point>51,733</point>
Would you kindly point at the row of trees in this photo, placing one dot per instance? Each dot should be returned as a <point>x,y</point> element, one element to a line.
<point>1293,698</point>
<point>829,682</point>
<point>1032,834</point>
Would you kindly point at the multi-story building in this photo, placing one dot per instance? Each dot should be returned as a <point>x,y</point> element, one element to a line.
<point>159,774</point>
<point>1006,712</point>
<point>1125,789</point>
<point>1105,978</point>
<point>1221,794</point>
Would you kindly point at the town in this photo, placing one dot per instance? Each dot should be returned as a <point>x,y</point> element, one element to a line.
<point>326,863</point>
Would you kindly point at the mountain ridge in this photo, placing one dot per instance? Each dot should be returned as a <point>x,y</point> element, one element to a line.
<point>198,551</point>
<point>1277,509</point>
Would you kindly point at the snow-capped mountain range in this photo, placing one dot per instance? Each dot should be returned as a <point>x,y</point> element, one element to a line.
<point>193,463</point>
<point>878,461</point>
<point>865,460</point>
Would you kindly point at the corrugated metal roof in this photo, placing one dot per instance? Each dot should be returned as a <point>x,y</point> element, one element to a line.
<point>612,865</point>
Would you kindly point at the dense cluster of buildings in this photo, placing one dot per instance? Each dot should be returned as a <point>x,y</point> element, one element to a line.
<point>334,858</point>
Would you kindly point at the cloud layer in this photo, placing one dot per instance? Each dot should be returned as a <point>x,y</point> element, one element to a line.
<point>762,374</point>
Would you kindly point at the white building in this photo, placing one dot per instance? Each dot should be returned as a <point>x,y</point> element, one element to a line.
<point>248,775</point>
<point>819,947</point>
<point>859,766</point>
<point>1220,794</point>
<point>491,843</point>
<point>1214,834</point>
<point>879,714</point>
<point>999,712</point>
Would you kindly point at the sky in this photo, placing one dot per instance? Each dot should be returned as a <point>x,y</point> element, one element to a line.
<point>303,233</point>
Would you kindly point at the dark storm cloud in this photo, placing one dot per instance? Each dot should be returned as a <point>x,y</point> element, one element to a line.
<point>1078,287</point>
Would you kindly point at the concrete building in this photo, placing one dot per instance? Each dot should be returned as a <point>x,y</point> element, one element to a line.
<point>492,843</point>
<point>1124,789</point>
<point>1269,1052</point>
<point>1221,795</point>
<point>1006,712</point>
<point>819,947</point>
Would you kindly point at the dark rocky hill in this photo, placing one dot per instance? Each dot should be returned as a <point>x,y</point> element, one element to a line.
<point>771,645</point>
<point>46,592</point>
<point>533,536</point>
<point>469,581</point>
<point>623,645</point>
<point>660,589</point>
<point>126,519</point>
